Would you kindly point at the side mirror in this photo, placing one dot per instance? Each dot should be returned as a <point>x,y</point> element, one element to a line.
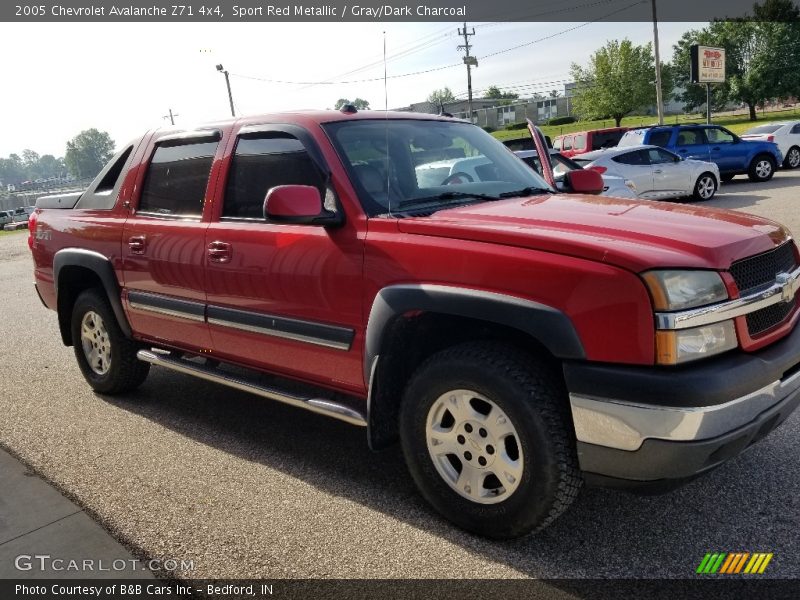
<point>298,205</point>
<point>584,181</point>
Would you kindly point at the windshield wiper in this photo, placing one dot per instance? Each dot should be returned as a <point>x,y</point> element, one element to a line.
<point>528,191</point>
<point>446,196</point>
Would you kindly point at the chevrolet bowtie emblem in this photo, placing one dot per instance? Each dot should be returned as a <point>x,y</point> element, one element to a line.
<point>788,286</point>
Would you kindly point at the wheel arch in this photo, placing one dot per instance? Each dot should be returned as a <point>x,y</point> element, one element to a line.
<point>78,269</point>
<point>408,323</point>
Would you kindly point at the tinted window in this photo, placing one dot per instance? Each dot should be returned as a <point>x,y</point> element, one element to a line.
<point>606,139</point>
<point>177,178</point>
<point>658,156</point>
<point>261,164</point>
<point>638,157</point>
<point>660,138</point>
<point>690,137</point>
<point>718,136</point>
<point>796,128</point>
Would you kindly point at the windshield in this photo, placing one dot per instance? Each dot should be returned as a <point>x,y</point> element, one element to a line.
<point>400,165</point>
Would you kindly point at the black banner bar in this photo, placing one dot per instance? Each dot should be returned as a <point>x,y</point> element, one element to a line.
<point>370,10</point>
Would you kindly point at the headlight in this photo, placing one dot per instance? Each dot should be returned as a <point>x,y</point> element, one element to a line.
<point>679,290</point>
<point>683,345</point>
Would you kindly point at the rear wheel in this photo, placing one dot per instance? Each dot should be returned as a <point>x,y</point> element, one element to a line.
<point>105,356</point>
<point>792,160</point>
<point>705,187</point>
<point>762,168</point>
<point>486,435</point>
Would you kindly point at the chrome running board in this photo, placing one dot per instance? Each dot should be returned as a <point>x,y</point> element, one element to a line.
<point>317,405</point>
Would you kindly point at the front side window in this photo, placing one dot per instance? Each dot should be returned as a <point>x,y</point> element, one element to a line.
<point>658,156</point>
<point>690,137</point>
<point>660,138</point>
<point>176,180</point>
<point>401,164</point>
<point>262,163</point>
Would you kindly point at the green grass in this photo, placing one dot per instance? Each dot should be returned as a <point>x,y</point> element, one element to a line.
<point>4,232</point>
<point>738,123</point>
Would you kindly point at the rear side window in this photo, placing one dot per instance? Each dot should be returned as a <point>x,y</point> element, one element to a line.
<point>690,137</point>
<point>566,143</point>
<point>660,138</point>
<point>580,142</point>
<point>177,178</point>
<point>262,163</point>
<point>557,144</point>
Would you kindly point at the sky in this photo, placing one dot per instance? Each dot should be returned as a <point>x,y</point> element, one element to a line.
<point>60,79</point>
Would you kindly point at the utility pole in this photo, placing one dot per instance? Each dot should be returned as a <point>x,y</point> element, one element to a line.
<point>221,69</point>
<point>171,117</point>
<point>470,61</point>
<point>659,99</point>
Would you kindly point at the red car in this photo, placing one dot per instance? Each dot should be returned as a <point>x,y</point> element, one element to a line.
<point>410,275</point>
<point>572,144</point>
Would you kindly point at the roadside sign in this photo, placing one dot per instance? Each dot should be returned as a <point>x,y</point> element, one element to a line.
<point>707,64</point>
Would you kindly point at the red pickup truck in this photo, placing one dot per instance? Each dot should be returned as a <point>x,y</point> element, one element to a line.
<point>410,275</point>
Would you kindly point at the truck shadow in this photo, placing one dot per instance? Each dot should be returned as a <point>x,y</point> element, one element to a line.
<point>605,533</point>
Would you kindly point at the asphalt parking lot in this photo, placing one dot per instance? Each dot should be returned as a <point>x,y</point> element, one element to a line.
<point>246,488</point>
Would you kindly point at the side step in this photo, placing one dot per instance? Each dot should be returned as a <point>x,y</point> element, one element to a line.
<point>317,405</point>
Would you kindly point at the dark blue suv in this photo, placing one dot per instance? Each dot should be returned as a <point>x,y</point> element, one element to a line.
<point>712,143</point>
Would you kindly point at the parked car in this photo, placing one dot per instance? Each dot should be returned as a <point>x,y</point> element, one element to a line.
<point>786,135</point>
<point>519,343</point>
<point>6,217</point>
<point>581,142</point>
<point>657,173</point>
<point>613,185</point>
<point>733,155</point>
<point>22,214</point>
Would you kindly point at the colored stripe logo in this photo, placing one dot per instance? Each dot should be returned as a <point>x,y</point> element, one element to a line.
<point>734,563</point>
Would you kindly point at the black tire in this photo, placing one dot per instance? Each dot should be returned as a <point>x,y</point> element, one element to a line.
<point>792,159</point>
<point>705,187</point>
<point>115,368</point>
<point>727,177</point>
<point>529,398</point>
<point>762,168</point>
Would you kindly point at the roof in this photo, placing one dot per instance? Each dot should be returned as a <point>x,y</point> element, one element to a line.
<point>610,152</point>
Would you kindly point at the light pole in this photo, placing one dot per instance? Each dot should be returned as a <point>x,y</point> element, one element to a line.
<point>659,100</point>
<point>228,83</point>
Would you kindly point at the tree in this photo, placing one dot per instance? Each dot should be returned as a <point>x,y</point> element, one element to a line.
<point>359,103</point>
<point>617,81</point>
<point>441,96</point>
<point>759,58</point>
<point>495,92</point>
<point>88,152</point>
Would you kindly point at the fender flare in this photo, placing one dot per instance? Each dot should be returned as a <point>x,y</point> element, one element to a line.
<point>551,327</point>
<point>99,265</point>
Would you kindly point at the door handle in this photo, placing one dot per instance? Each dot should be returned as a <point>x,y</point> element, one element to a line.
<point>682,150</point>
<point>716,149</point>
<point>657,171</point>
<point>136,244</point>
<point>220,252</point>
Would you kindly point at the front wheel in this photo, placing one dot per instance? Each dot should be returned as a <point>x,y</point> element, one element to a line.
<point>792,160</point>
<point>705,187</point>
<point>487,438</point>
<point>762,168</point>
<point>105,356</point>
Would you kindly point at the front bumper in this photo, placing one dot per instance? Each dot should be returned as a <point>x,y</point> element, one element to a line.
<point>646,425</point>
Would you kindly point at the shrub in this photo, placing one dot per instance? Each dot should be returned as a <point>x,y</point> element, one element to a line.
<point>562,121</point>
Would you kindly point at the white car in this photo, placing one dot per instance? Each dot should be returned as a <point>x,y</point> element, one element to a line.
<point>657,173</point>
<point>785,134</point>
<point>613,185</point>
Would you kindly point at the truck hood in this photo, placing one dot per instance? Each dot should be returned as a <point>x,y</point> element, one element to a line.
<point>632,234</point>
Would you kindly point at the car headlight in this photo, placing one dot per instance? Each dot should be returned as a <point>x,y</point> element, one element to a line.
<point>679,290</point>
<point>683,345</point>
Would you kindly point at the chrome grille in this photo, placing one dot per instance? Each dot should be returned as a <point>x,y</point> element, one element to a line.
<point>760,270</point>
